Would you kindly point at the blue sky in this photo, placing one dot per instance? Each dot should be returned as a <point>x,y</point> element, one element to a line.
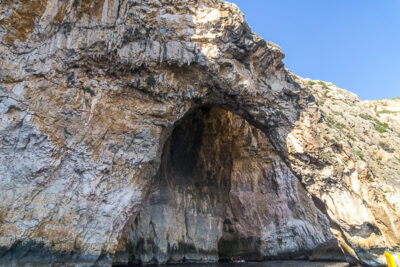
<point>353,43</point>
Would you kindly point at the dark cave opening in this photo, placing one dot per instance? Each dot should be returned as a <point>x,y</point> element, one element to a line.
<point>222,192</point>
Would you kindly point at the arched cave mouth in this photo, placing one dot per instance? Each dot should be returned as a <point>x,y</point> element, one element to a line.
<point>222,192</point>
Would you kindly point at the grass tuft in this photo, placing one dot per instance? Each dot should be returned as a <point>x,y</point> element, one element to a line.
<point>386,112</point>
<point>311,83</point>
<point>324,85</point>
<point>360,154</point>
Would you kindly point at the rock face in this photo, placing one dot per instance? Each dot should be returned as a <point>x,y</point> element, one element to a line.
<point>222,192</point>
<point>159,131</point>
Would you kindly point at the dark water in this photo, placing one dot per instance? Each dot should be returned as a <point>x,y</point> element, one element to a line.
<point>266,264</point>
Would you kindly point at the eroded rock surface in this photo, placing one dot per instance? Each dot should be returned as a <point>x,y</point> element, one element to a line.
<point>92,91</point>
<point>223,192</point>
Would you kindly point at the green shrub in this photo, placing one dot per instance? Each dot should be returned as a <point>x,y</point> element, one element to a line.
<point>311,83</point>
<point>381,127</point>
<point>386,147</point>
<point>333,123</point>
<point>385,112</point>
<point>360,154</point>
<point>323,85</point>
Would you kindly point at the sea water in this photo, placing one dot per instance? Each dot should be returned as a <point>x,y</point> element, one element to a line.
<point>266,264</point>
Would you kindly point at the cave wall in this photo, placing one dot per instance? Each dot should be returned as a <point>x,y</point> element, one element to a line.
<point>91,90</point>
<point>181,217</point>
<point>222,192</point>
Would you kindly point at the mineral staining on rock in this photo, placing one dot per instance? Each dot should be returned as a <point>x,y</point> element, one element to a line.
<point>92,94</point>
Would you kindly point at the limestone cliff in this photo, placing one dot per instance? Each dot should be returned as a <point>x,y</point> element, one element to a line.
<point>166,130</point>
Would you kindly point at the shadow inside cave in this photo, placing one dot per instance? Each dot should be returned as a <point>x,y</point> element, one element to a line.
<point>221,192</point>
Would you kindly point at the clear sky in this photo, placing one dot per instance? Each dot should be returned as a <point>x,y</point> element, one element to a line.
<point>353,43</point>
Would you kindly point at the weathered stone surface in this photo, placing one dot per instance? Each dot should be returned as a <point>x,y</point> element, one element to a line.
<point>92,91</point>
<point>222,192</point>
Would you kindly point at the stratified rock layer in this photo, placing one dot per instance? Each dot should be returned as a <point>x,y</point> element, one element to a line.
<point>91,93</point>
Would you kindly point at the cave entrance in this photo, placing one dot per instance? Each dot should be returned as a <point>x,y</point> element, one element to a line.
<point>223,192</point>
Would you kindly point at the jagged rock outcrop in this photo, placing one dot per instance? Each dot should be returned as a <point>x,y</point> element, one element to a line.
<point>92,93</point>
